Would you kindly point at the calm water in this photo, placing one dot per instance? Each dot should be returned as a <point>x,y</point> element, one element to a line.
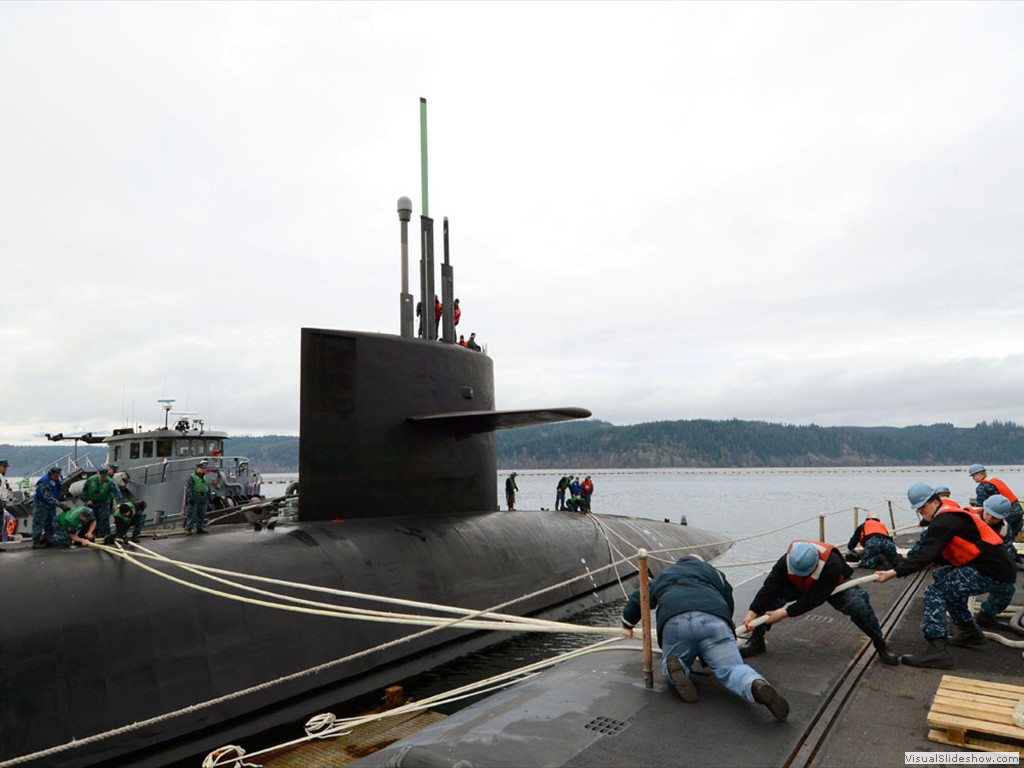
<point>739,503</point>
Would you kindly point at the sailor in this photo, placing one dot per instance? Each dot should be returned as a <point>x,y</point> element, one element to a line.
<point>130,514</point>
<point>563,483</point>
<point>44,508</point>
<point>808,573</point>
<point>197,497</point>
<point>69,526</point>
<point>5,497</point>
<point>99,494</point>
<point>879,548</point>
<point>994,511</point>
<point>990,486</point>
<point>456,313</point>
<point>587,490</point>
<point>471,342</point>
<point>978,564</point>
<point>510,492</point>
<point>695,606</point>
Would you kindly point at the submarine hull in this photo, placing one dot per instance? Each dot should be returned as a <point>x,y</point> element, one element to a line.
<point>101,643</point>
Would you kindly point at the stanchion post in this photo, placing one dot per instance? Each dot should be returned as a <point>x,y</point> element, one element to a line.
<point>645,617</point>
<point>856,517</point>
<point>821,527</point>
<point>892,518</point>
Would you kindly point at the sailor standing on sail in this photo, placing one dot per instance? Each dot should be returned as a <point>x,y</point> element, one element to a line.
<point>197,496</point>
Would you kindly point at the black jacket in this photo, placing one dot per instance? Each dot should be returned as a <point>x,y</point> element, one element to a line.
<point>778,583</point>
<point>993,560</point>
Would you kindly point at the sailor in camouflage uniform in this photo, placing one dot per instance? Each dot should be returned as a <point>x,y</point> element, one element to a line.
<point>879,548</point>
<point>975,563</point>
<point>99,494</point>
<point>70,525</point>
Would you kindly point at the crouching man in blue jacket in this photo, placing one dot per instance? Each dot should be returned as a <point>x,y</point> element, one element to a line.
<point>695,608</point>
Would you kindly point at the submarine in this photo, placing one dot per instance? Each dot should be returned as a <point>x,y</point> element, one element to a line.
<point>106,662</point>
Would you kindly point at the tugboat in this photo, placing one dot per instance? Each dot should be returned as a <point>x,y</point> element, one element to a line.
<point>153,466</point>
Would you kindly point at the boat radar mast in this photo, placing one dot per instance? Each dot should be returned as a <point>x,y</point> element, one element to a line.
<point>166,405</point>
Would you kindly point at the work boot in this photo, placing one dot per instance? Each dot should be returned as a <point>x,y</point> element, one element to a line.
<point>109,539</point>
<point>39,544</point>
<point>883,563</point>
<point>134,539</point>
<point>755,644</point>
<point>966,634</point>
<point>886,654</point>
<point>935,656</point>
<point>680,680</point>
<point>988,621</point>
<point>765,694</point>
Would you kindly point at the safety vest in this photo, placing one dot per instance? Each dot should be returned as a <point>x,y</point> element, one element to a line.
<point>948,505</point>
<point>871,527</point>
<point>200,485</point>
<point>125,511</point>
<point>71,520</point>
<point>803,584</point>
<point>97,490</point>
<point>960,551</point>
<point>588,486</point>
<point>1002,487</point>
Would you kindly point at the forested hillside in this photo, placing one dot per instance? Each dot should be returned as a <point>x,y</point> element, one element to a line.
<point>704,443</point>
<point>698,443</point>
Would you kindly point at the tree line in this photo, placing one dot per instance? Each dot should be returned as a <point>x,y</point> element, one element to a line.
<point>695,443</point>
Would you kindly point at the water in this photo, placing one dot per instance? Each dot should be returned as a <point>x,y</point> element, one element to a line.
<point>740,503</point>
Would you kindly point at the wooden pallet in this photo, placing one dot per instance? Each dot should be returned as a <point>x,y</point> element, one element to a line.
<point>976,715</point>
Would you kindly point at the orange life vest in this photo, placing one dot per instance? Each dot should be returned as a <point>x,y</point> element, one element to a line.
<point>803,584</point>
<point>947,505</point>
<point>959,551</point>
<point>1002,487</point>
<point>871,527</point>
<point>588,486</point>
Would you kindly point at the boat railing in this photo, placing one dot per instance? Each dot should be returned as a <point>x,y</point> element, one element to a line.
<point>69,463</point>
<point>232,467</point>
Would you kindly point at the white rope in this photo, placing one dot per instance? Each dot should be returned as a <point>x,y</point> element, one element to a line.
<point>344,726</point>
<point>502,622</point>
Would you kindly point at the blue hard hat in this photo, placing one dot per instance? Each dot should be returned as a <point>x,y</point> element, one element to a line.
<point>942,489</point>
<point>802,559</point>
<point>998,506</point>
<point>975,468</point>
<point>919,493</point>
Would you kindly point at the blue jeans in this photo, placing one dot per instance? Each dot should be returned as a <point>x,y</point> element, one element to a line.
<point>695,633</point>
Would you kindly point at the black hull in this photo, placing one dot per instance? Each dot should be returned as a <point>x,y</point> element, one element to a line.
<point>101,644</point>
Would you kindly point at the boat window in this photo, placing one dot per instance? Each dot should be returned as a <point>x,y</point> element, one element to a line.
<point>213,448</point>
<point>133,450</point>
<point>116,453</point>
<point>197,448</point>
<point>147,449</point>
<point>183,447</point>
<point>163,448</point>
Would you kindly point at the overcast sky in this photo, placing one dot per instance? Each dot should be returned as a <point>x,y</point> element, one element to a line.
<point>792,212</point>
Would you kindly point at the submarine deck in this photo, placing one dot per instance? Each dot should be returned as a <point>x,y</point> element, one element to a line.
<point>847,709</point>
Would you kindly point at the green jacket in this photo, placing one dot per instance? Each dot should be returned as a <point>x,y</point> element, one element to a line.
<point>197,485</point>
<point>98,491</point>
<point>71,520</point>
